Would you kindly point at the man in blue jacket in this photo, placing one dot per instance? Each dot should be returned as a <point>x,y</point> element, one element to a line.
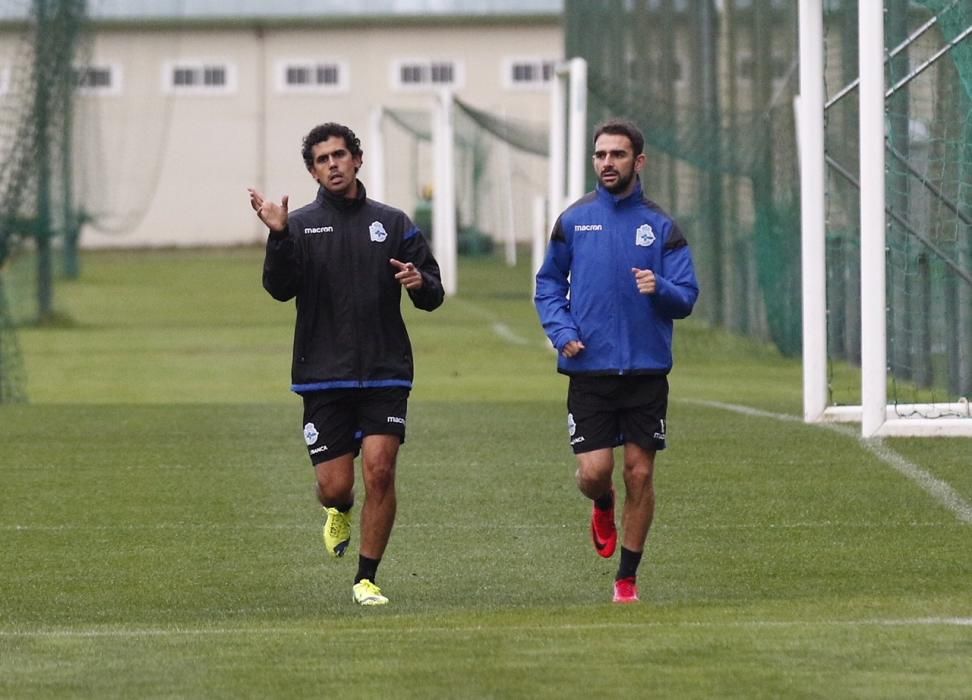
<point>346,258</point>
<point>617,272</point>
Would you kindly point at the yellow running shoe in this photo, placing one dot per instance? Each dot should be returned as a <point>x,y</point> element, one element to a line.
<point>337,532</point>
<point>367,593</point>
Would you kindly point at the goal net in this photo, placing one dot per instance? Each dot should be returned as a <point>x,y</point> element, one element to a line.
<point>894,261</point>
<point>39,45</point>
<point>472,178</point>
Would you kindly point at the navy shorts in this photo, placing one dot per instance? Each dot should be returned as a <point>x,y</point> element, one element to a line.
<point>607,411</point>
<point>336,420</point>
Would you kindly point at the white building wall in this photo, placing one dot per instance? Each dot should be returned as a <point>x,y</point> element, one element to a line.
<point>164,169</point>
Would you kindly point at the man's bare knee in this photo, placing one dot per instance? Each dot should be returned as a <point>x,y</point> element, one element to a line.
<point>379,478</point>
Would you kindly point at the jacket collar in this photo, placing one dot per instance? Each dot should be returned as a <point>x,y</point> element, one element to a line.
<point>637,194</point>
<point>326,198</point>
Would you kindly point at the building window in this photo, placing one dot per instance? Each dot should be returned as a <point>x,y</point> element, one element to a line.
<point>202,77</point>
<point>312,76</point>
<point>98,79</point>
<point>424,74</point>
<point>528,73</point>
<point>442,73</point>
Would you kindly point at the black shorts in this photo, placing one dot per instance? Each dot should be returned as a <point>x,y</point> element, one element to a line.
<point>607,411</point>
<point>336,420</point>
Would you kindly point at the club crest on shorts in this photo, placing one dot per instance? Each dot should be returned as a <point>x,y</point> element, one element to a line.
<point>571,425</point>
<point>310,434</point>
<point>377,231</point>
<point>645,235</point>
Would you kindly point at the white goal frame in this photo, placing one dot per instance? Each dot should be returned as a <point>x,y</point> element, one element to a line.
<point>444,225</point>
<point>567,147</point>
<point>877,418</point>
<point>567,166</point>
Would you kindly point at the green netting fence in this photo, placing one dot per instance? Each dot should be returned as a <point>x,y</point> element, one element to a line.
<point>39,50</point>
<point>928,193</point>
<point>12,380</point>
<point>713,92</point>
<point>712,86</point>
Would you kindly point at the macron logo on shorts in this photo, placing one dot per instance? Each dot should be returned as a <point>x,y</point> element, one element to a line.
<point>396,419</point>
<point>660,434</point>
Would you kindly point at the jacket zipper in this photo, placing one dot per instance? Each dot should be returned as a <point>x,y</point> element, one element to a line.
<point>352,250</point>
<point>616,252</point>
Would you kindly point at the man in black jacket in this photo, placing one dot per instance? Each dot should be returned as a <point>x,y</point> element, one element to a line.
<point>345,258</point>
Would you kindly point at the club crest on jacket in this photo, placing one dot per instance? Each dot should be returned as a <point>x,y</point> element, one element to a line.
<point>645,235</point>
<point>377,231</point>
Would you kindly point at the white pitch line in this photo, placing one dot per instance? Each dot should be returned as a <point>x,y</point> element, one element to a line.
<point>507,334</point>
<point>499,328</point>
<point>229,631</point>
<point>940,490</point>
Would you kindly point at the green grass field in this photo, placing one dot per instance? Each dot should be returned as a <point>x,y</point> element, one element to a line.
<point>161,538</point>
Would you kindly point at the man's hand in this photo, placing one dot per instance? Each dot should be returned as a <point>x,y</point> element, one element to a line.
<point>408,275</point>
<point>272,214</point>
<point>572,349</point>
<point>645,279</point>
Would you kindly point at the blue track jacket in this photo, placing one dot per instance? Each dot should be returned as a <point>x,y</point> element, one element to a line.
<point>586,290</point>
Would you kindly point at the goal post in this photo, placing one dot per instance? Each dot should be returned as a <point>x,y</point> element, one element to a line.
<point>481,177</point>
<point>810,134</point>
<point>567,146</point>
<point>870,29</point>
<point>877,415</point>
<point>444,243</point>
<point>437,126</point>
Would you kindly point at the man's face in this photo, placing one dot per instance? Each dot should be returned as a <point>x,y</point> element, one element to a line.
<point>334,167</point>
<point>615,163</point>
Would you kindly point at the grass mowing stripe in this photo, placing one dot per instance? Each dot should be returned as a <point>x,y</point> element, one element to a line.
<point>475,527</point>
<point>491,629</point>
<point>940,490</point>
<point>163,446</point>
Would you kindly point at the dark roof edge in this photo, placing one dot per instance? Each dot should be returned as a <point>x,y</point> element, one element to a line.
<point>295,22</point>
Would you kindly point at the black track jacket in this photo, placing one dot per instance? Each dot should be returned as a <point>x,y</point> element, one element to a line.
<point>334,259</point>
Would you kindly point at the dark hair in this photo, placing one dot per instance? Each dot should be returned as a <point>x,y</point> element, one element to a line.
<point>622,127</point>
<point>322,132</point>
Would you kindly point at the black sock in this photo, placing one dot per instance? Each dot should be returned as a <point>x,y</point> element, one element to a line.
<point>628,567</point>
<point>343,508</point>
<point>604,502</point>
<point>367,568</point>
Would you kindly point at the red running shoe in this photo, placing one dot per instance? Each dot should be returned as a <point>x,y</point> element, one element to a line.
<point>603,531</point>
<point>626,590</point>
